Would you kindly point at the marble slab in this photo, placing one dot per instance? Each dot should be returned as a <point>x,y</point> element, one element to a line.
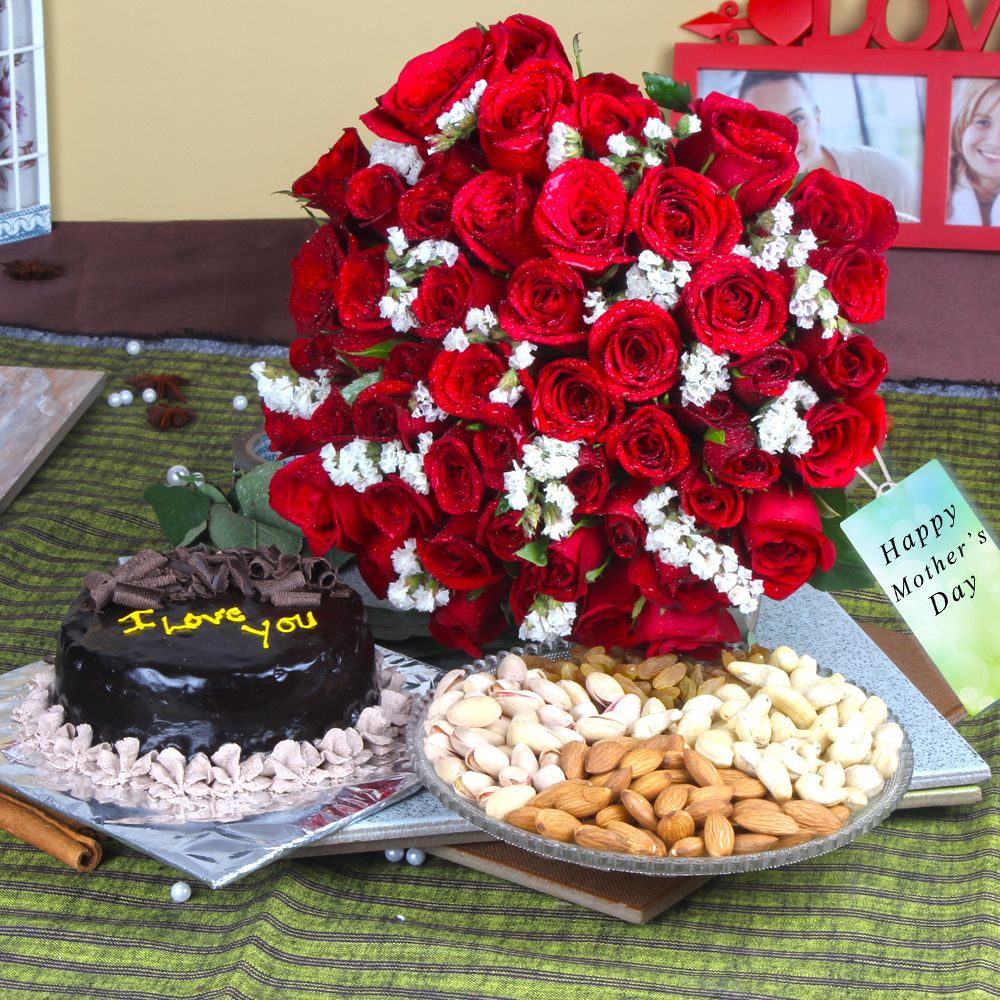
<point>38,406</point>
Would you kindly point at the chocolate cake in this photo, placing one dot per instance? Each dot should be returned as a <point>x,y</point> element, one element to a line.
<point>195,649</point>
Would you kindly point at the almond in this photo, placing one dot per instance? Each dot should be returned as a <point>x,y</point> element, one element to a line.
<point>700,811</point>
<point>689,847</point>
<point>672,798</point>
<point>604,756</point>
<point>639,808</point>
<point>641,842</point>
<point>599,839</point>
<point>762,816</point>
<point>701,768</point>
<point>571,759</point>
<point>679,775</point>
<point>642,760</point>
<point>614,781</point>
<point>751,843</point>
<point>719,836</point>
<point>650,785</point>
<point>675,826</point>
<point>523,818</point>
<point>841,812</point>
<point>747,788</point>
<point>718,793</point>
<point>794,839</point>
<point>812,816</point>
<point>673,758</point>
<point>555,824</point>
<point>583,800</point>
<point>547,799</point>
<point>667,742</point>
<point>617,813</point>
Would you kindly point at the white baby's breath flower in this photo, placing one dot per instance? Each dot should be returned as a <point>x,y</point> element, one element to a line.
<point>402,157</point>
<point>424,405</point>
<point>596,305</point>
<point>301,398</point>
<point>397,240</point>
<point>618,144</point>
<point>523,355</point>
<point>455,340</point>
<point>564,143</point>
<point>548,619</point>
<point>516,484</point>
<point>656,128</point>
<point>651,159</point>
<point>703,374</point>
<point>484,320</point>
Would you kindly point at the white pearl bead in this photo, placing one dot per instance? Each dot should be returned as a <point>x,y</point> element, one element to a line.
<point>415,856</point>
<point>198,479</point>
<point>394,854</point>
<point>180,892</point>
<point>115,399</point>
<point>149,395</point>
<point>177,475</point>
<point>126,397</point>
<point>134,347</point>
<point>239,402</point>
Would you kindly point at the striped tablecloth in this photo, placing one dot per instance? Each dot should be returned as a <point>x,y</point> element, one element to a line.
<point>912,909</point>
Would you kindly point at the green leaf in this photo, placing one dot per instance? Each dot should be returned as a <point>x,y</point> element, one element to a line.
<point>667,92</point>
<point>337,559</point>
<point>287,542</point>
<point>716,435</point>
<point>380,350</point>
<point>230,531</point>
<point>213,493</point>
<point>849,571</point>
<point>578,54</point>
<point>536,552</point>
<point>833,503</point>
<point>253,497</point>
<point>595,574</point>
<point>352,390</point>
<point>637,608</point>
<point>181,510</point>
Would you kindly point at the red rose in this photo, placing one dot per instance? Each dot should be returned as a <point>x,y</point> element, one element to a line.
<point>314,274</point>
<point>604,618</point>
<point>446,294</point>
<point>670,628</point>
<point>783,534</point>
<point>361,282</point>
<point>720,411</point>
<point>589,482</point>
<point>527,37</point>
<point>461,381</point>
<point>649,445</point>
<point>856,279</point>
<point>716,504</point>
<point>425,212</point>
<point>332,422</point>
<point>470,620</point>
<point>329,516</point>
<point>502,534</point>
<point>570,560</point>
<point>636,344</point>
<point>495,448</point>
<point>516,115</point>
<point>453,475</point>
<point>375,564</point>
<point>682,215</point>
<point>544,304</point>
<point>738,461</point>
<point>850,367</point>
<point>843,436</point>
<point>454,167</point>
<point>409,362</point>
<point>373,196</point>
<point>607,104</point>
<point>431,83</point>
<point>397,510</point>
<point>733,306</point>
<point>382,413</point>
<point>665,585</point>
<point>527,586</point>
<point>360,347</point>
<point>766,376</point>
<point>309,355</point>
<point>572,401</point>
<point>841,212</point>
<point>744,148</point>
<point>453,558</point>
<point>580,215</point>
<point>324,186</point>
<point>492,215</point>
<point>626,531</point>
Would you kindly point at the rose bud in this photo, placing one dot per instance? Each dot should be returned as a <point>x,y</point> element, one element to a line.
<point>312,302</point>
<point>843,436</point>
<point>425,212</point>
<point>756,380</point>
<point>528,37</point>
<point>453,474</point>
<point>856,278</point>
<point>625,529</point>
<point>325,186</point>
<point>397,510</point>
<point>373,197</point>
<point>492,215</point>
<point>607,104</point>
<point>649,445</point>
<point>544,304</point>
<point>470,620</point>
<point>717,504</point>
<point>849,367</point>
<point>604,618</point>
<point>573,401</point>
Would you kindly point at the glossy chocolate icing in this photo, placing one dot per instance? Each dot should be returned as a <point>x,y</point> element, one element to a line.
<point>198,689</point>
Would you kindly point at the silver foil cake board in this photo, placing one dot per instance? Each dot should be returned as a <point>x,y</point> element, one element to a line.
<point>946,770</point>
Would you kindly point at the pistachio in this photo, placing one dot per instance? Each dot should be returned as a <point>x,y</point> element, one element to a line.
<point>487,758</point>
<point>600,728</point>
<point>603,689</point>
<point>512,668</point>
<point>476,711</point>
<point>522,756</point>
<point>533,735</point>
<point>549,691</point>
<point>504,800</point>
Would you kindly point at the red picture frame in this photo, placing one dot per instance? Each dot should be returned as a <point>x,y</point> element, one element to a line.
<point>940,69</point>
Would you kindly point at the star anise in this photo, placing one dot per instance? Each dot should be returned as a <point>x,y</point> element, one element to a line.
<point>163,416</point>
<point>31,270</point>
<point>165,386</point>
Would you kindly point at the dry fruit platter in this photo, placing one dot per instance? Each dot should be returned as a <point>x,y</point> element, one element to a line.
<point>662,765</point>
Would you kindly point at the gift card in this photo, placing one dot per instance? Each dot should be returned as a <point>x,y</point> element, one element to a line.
<point>940,567</point>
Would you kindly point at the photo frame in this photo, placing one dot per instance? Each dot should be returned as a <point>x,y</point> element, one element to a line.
<point>25,205</point>
<point>937,81</point>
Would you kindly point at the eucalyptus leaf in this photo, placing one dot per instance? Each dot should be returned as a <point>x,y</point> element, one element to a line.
<point>536,552</point>
<point>288,542</point>
<point>213,493</point>
<point>668,92</point>
<point>230,531</point>
<point>352,390</point>
<point>181,510</point>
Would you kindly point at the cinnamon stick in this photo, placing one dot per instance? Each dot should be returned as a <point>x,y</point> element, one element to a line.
<point>68,842</point>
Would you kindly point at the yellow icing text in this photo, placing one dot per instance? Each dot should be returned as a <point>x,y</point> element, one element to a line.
<point>191,622</point>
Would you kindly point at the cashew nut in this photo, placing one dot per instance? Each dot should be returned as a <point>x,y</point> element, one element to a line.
<point>810,788</point>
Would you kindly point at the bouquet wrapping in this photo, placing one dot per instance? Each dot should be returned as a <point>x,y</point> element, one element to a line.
<point>570,360</point>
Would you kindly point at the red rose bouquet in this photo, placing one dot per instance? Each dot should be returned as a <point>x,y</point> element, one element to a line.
<point>572,362</point>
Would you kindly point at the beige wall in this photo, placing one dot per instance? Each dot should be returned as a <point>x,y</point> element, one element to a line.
<point>199,109</point>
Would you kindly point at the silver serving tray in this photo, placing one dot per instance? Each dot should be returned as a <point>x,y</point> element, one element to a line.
<point>214,849</point>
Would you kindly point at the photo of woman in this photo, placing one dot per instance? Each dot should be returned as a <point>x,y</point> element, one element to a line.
<point>974,166</point>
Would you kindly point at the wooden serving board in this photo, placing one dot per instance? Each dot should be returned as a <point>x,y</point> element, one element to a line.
<point>38,406</point>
